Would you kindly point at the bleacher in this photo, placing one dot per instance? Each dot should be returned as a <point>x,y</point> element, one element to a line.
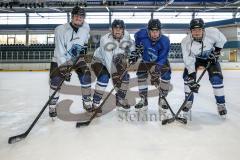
<point>43,53</point>
<point>175,52</point>
<point>22,53</point>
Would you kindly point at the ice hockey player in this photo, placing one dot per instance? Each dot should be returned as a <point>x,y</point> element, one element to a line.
<point>110,60</point>
<point>69,45</point>
<point>201,46</point>
<point>153,46</point>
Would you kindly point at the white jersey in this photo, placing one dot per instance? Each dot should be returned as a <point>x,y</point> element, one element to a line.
<point>191,49</point>
<point>65,37</point>
<point>110,47</point>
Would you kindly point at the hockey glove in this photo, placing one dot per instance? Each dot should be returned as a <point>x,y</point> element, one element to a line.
<point>65,71</point>
<point>116,80</point>
<point>191,82</point>
<point>139,49</point>
<point>155,75</point>
<point>76,51</point>
<point>133,57</point>
<point>85,48</point>
<point>214,55</point>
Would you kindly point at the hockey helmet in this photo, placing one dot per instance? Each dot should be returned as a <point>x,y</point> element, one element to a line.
<point>197,23</point>
<point>78,11</point>
<point>118,23</point>
<point>154,24</point>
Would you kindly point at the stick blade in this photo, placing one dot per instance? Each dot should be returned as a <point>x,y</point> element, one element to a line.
<point>15,139</point>
<point>181,120</point>
<point>79,124</point>
<point>169,120</point>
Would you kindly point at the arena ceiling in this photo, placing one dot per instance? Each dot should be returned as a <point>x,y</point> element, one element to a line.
<point>50,6</point>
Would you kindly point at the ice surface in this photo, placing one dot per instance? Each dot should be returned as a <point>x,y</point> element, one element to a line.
<point>110,137</point>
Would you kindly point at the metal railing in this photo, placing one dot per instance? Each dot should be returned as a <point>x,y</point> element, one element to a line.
<point>25,56</point>
<point>36,54</point>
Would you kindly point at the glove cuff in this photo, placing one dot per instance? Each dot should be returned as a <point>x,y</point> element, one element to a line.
<point>217,51</point>
<point>193,75</point>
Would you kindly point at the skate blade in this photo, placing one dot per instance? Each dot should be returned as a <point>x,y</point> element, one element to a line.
<point>169,120</point>
<point>181,120</point>
<point>143,109</point>
<point>223,116</point>
<point>120,109</point>
<point>53,118</point>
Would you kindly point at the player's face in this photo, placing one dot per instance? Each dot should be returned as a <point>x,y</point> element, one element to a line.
<point>197,33</point>
<point>117,32</point>
<point>154,34</point>
<point>77,20</point>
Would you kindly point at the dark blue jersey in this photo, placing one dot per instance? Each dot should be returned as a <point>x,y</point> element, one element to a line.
<point>153,51</point>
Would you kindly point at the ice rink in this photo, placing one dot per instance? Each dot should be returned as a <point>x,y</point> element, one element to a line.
<point>111,136</point>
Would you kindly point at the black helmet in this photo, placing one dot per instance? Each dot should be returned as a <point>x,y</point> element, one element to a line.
<point>78,11</point>
<point>197,23</point>
<point>118,23</point>
<point>154,24</point>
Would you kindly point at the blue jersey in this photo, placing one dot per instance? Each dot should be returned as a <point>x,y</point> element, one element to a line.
<point>153,52</point>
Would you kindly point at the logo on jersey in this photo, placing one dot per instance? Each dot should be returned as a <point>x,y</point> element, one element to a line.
<point>204,54</point>
<point>152,54</point>
<point>110,46</point>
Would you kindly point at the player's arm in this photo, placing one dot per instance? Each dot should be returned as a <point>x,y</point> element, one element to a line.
<point>188,58</point>
<point>189,62</point>
<point>220,40</point>
<point>163,54</point>
<point>60,49</point>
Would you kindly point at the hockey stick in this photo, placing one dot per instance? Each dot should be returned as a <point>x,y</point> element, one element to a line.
<point>20,137</point>
<point>86,123</point>
<point>176,117</point>
<point>161,96</point>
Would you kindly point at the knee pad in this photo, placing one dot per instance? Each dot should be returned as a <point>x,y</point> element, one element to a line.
<point>85,78</point>
<point>216,79</point>
<point>166,75</point>
<point>55,82</point>
<point>166,72</point>
<point>103,78</point>
<point>217,84</point>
